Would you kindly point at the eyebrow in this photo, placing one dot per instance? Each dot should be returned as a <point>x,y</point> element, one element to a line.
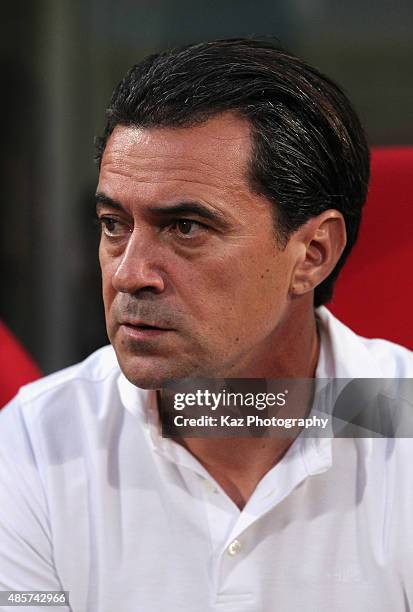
<point>104,200</point>
<point>194,208</point>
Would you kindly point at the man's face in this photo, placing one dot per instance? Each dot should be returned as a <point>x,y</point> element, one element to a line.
<point>194,284</point>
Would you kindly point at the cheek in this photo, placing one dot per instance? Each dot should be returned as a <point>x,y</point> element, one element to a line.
<point>254,275</point>
<point>229,288</point>
<point>258,292</point>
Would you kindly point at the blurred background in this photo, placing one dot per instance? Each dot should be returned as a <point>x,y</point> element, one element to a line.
<point>60,60</point>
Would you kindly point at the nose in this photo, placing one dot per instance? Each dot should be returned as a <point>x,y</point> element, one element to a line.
<point>139,266</point>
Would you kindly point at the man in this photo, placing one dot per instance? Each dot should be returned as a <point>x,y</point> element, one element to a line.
<point>232,178</point>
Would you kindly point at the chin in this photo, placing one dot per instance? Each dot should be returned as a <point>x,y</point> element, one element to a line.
<point>154,370</point>
<point>148,372</point>
<point>143,377</point>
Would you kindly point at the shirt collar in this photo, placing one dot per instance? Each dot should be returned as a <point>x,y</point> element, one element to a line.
<point>342,352</point>
<point>343,355</point>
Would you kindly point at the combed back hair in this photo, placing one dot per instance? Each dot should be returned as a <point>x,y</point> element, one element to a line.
<point>309,152</point>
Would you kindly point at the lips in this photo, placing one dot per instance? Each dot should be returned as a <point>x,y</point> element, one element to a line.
<point>143,325</point>
<point>144,332</point>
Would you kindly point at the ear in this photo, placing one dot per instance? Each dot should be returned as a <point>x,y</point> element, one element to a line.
<point>320,242</point>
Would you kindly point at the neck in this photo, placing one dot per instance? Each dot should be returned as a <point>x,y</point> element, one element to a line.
<point>238,464</point>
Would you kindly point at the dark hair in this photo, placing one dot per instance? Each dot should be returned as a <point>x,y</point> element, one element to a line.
<point>309,150</point>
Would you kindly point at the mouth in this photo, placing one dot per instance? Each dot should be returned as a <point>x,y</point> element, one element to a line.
<point>143,331</point>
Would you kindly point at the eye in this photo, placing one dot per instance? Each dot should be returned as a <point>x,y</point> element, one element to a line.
<point>113,228</point>
<point>187,227</point>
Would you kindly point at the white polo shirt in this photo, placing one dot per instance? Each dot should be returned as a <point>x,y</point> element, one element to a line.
<point>95,502</point>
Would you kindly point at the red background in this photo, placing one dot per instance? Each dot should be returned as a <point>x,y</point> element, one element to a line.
<point>374,293</point>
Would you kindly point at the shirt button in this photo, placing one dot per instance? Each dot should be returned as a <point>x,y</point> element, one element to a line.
<point>234,548</point>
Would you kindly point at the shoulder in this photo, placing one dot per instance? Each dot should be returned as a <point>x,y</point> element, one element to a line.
<point>88,373</point>
<point>357,356</point>
<point>63,401</point>
<point>95,368</point>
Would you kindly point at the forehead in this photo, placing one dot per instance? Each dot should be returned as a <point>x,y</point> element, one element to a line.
<point>212,155</point>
